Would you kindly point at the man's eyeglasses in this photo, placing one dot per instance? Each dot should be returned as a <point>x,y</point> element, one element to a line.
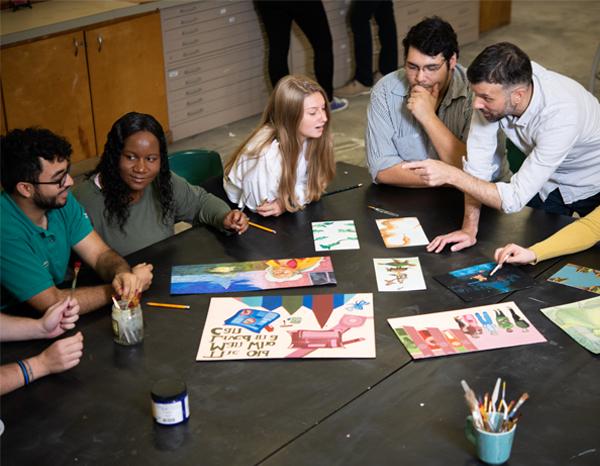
<point>61,182</point>
<point>427,69</point>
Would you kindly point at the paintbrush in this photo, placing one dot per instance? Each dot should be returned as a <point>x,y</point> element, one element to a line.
<point>524,397</point>
<point>495,395</point>
<point>76,268</point>
<point>473,405</point>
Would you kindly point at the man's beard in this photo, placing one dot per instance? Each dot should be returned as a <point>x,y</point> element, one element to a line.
<point>48,203</point>
<point>492,117</point>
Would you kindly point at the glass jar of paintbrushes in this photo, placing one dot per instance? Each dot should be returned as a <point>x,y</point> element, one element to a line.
<point>127,321</point>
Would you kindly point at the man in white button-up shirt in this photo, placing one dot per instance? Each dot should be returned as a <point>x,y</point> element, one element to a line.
<point>549,117</point>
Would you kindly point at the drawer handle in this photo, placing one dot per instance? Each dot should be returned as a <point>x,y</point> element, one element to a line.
<point>188,43</point>
<point>194,92</point>
<point>193,81</point>
<point>189,54</point>
<point>183,22</point>
<point>196,112</point>
<point>193,70</point>
<point>187,10</point>
<point>231,19</point>
<point>223,11</point>
<point>189,103</point>
<point>189,31</point>
<point>76,46</point>
<point>100,42</point>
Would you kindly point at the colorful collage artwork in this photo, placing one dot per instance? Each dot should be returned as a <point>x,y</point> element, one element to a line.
<point>333,235</point>
<point>401,232</point>
<point>401,274</point>
<point>474,282</point>
<point>584,278</point>
<point>273,327</point>
<point>580,320</point>
<point>466,330</point>
<point>250,276</point>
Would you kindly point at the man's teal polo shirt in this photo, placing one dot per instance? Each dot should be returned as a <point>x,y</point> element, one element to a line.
<point>33,259</point>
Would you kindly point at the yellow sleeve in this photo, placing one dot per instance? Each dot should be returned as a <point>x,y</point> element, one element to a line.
<point>577,236</point>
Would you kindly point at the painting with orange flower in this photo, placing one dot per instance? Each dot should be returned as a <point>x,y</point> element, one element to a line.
<point>253,275</point>
<point>401,232</point>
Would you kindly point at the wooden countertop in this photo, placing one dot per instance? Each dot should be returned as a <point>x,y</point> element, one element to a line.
<point>55,16</point>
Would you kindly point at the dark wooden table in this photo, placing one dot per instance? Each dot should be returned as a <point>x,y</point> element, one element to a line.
<point>387,410</point>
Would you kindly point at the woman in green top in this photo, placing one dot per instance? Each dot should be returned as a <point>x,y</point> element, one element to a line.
<point>132,197</point>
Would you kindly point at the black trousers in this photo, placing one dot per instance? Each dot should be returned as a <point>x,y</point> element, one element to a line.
<point>360,22</point>
<point>277,16</point>
<point>554,204</point>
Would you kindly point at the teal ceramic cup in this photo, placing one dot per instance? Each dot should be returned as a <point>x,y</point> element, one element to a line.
<point>492,448</point>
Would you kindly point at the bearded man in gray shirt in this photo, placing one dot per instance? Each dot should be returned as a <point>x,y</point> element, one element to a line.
<point>549,117</point>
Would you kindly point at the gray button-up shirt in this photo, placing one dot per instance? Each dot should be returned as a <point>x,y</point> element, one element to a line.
<point>394,135</point>
<point>560,133</point>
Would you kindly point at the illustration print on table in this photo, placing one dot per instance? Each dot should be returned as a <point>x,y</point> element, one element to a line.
<point>401,232</point>
<point>400,274</point>
<point>584,278</point>
<point>465,330</point>
<point>474,282</point>
<point>274,327</point>
<point>580,320</point>
<point>253,275</point>
<point>333,235</point>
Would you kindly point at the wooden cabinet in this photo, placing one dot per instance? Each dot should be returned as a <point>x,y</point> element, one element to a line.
<point>45,84</point>
<point>493,14</point>
<point>77,84</point>
<point>126,72</point>
<point>2,113</point>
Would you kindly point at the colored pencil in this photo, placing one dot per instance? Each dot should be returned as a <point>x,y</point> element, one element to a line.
<point>498,267</point>
<point>260,227</point>
<point>168,305</point>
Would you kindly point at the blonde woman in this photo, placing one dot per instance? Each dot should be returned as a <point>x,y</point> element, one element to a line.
<point>287,161</point>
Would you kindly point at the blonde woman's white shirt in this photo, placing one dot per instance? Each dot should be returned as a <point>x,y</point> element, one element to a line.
<point>253,180</point>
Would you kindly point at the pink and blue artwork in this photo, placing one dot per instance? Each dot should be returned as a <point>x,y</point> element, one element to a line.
<point>291,327</point>
<point>250,276</point>
<point>475,282</point>
<point>465,330</point>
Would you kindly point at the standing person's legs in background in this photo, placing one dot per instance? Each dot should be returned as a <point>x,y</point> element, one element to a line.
<point>311,19</point>
<point>386,24</point>
<point>277,18</point>
<point>360,22</point>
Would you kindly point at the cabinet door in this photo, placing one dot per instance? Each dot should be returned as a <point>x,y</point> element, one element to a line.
<point>126,72</point>
<point>45,83</point>
<point>2,117</point>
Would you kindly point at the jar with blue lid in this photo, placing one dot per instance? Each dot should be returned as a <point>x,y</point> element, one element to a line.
<point>170,404</point>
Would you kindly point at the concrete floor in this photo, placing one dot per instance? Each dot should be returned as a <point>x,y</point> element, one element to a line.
<point>557,34</point>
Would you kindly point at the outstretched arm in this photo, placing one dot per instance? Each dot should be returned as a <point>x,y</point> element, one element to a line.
<point>437,173</point>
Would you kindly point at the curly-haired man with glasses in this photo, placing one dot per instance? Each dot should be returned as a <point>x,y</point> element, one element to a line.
<point>41,222</point>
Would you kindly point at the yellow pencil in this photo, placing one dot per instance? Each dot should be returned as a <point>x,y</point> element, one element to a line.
<point>170,306</point>
<point>260,227</point>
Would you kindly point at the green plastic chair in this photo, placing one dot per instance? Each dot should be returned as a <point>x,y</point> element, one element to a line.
<point>196,165</point>
<point>514,155</point>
